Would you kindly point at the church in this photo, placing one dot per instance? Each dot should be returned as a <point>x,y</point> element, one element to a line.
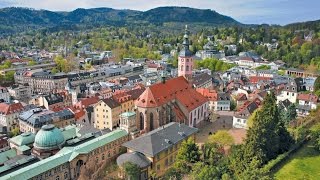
<point>173,100</point>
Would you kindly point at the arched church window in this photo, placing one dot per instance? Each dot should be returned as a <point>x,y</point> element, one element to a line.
<point>187,68</point>
<point>141,121</point>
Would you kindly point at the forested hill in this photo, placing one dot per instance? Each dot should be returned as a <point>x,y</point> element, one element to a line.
<point>20,19</point>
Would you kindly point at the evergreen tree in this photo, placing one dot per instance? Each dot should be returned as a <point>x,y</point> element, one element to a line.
<point>317,84</point>
<point>268,136</point>
<point>186,156</point>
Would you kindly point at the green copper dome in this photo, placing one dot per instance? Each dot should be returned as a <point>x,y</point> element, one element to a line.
<point>48,138</point>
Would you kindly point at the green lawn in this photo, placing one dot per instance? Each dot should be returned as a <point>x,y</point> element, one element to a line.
<point>304,165</point>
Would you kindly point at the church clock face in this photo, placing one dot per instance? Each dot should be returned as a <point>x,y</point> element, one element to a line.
<point>182,60</point>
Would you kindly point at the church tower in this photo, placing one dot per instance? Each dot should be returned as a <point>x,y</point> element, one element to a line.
<point>185,60</point>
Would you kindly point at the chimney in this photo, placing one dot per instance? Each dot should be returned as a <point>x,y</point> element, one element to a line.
<point>163,80</point>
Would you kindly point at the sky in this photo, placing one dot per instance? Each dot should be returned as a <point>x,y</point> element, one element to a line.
<point>245,11</point>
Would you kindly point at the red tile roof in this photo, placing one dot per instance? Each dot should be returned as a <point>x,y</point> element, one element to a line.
<point>84,103</point>
<point>246,59</point>
<point>241,97</point>
<point>308,97</point>
<point>176,88</point>
<point>7,109</point>
<point>212,95</point>
<point>256,79</point>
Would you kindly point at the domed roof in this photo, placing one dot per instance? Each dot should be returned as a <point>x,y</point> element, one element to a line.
<point>48,138</point>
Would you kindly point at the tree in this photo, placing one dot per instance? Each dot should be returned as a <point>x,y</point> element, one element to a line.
<point>289,114</point>
<point>32,63</point>
<point>132,170</point>
<point>14,132</point>
<point>268,136</point>
<point>251,118</point>
<point>202,171</point>
<point>221,138</point>
<point>212,153</point>
<point>9,76</point>
<point>317,84</point>
<point>186,156</point>
<point>172,174</point>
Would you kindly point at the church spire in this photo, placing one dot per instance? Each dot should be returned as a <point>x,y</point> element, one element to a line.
<point>186,38</point>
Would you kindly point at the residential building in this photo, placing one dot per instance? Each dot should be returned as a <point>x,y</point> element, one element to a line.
<point>34,119</point>
<point>241,116</point>
<point>156,151</point>
<point>9,115</point>
<point>307,102</point>
<point>20,92</point>
<point>289,92</point>
<point>217,101</point>
<point>203,80</point>
<point>53,101</point>
<point>45,82</point>
<point>309,83</point>
<point>107,114</point>
<point>4,95</point>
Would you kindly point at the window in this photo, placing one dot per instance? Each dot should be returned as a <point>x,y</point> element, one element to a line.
<point>238,120</point>
<point>65,175</point>
<point>57,178</point>
<point>187,68</point>
<point>181,68</point>
<point>102,156</point>
<point>166,163</point>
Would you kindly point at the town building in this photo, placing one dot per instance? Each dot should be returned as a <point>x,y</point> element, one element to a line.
<point>156,151</point>
<point>20,92</point>
<point>306,103</point>
<point>203,80</point>
<point>290,91</point>
<point>241,116</point>
<point>69,157</point>
<point>107,114</point>
<point>217,101</point>
<point>53,101</point>
<point>34,119</point>
<point>300,73</point>
<point>4,95</point>
<point>9,116</point>
<point>173,100</point>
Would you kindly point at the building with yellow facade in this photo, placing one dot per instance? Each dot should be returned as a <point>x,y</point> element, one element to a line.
<point>156,151</point>
<point>107,114</point>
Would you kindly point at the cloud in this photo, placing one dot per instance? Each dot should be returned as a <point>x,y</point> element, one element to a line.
<point>246,11</point>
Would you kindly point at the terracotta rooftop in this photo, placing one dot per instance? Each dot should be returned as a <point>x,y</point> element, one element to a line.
<point>176,88</point>
<point>88,101</point>
<point>212,95</point>
<point>241,97</point>
<point>7,109</point>
<point>256,79</point>
<point>308,97</point>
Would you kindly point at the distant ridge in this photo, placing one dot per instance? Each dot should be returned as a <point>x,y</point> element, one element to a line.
<point>15,19</point>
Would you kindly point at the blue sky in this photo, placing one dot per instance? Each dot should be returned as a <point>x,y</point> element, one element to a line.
<point>246,11</point>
